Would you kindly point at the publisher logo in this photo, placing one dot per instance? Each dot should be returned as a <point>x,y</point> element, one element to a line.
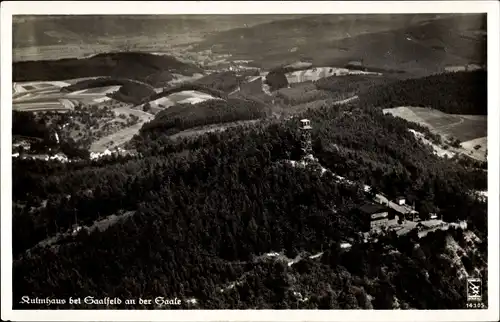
<point>474,290</point>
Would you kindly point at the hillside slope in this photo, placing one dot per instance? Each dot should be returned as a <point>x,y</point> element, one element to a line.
<point>133,65</point>
<point>453,93</point>
<point>215,111</point>
<point>206,206</point>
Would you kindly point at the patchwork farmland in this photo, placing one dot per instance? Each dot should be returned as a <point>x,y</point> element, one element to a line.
<point>44,96</point>
<point>183,97</point>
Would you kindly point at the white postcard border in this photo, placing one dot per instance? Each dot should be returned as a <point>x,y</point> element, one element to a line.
<point>250,7</point>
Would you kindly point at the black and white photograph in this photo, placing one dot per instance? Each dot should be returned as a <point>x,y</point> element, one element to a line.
<point>237,159</point>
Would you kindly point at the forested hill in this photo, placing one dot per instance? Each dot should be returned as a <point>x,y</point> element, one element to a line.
<point>145,67</point>
<point>215,111</point>
<point>206,207</point>
<point>453,93</point>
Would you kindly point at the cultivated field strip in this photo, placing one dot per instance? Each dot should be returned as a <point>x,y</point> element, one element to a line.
<point>314,74</point>
<point>45,96</point>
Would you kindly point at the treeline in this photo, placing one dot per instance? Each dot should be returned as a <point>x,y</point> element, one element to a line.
<point>301,95</point>
<point>276,78</point>
<point>226,81</point>
<point>134,65</point>
<point>42,136</point>
<point>185,116</point>
<point>342,86</point>
<point>35,130</point>
<point>102,82</point>
<point>207,205</point>
<point>73,150</point>
<point>373,69</point>
<point>27,124</point>
<point>454,93</point>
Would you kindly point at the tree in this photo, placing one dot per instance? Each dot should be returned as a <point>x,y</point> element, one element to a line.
<point>425,209</point>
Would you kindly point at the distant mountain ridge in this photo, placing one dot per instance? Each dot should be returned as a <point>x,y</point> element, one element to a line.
<point>422,44</point>
<point>60,30</point>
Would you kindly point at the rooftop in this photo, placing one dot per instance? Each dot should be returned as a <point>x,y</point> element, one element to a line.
<point>371,208</point>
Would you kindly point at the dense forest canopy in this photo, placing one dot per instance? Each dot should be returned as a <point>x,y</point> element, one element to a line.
<point>276,78</point>
<point>205,207</point>
<point>26,124</point>
<point>351,84</point>
<point>226,81</point>
<point>454,93</point>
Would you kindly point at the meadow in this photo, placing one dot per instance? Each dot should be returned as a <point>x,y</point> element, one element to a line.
<point>461,127</point>
<point>470,130</point>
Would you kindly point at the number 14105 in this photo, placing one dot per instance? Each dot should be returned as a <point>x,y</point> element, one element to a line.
<point>478,305</point>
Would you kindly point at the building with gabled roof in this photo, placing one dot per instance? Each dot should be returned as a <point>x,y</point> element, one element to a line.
<point>373,216</point>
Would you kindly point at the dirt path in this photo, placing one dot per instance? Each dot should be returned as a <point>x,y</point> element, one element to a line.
<point>447,126</point>
<point>211,128</point>
<point>115,139</point>
<point>347,100</point>
<point>145,116</point>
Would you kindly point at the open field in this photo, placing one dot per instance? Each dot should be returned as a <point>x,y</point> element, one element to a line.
<point>40,96</point>
<point>178,78</point>
<point>35,87</point>
<point>467,67</point>
<point>463,128</point>
<point>471,130</point>
<point>314,74</point>
<point>97,90</point>
<point>299,65</point>
<point>469,147</point>
<point>41,106</point>
<point>116,139</point>
<point>184,97</point>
